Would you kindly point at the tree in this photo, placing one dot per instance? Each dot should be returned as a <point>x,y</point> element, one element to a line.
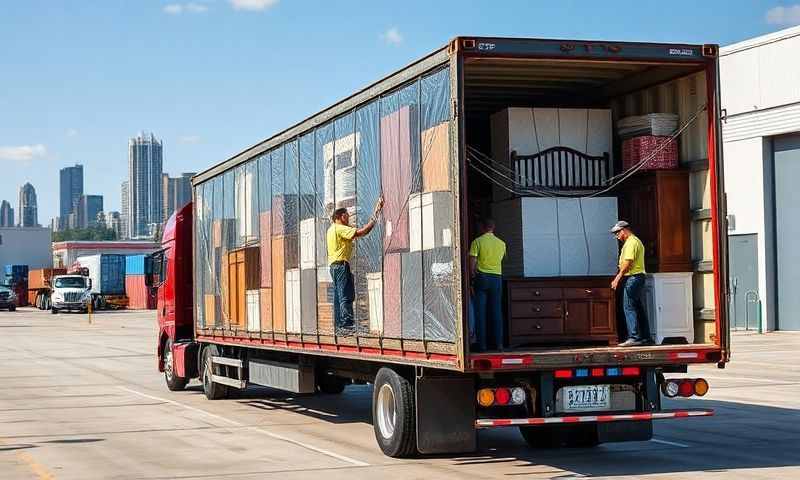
<point>93,233</point>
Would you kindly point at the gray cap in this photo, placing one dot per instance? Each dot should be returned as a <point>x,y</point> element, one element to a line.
<point>619,226</point>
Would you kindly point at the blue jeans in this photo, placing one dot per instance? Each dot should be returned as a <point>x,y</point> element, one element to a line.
<point>343,295</point>
<point>488,309</point>
<point>635,317</point>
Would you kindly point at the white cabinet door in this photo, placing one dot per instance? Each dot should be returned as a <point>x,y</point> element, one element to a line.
<point>670,308</point>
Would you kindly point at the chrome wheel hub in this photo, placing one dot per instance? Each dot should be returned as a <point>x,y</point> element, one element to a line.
<point>386,411</point>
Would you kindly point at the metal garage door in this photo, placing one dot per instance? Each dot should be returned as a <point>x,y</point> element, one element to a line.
<point>787,228</point>
<point>743,270</point>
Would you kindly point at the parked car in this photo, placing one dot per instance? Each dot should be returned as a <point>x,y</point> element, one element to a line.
<point>8,299</point>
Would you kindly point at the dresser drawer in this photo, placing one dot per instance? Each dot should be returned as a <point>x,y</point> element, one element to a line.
<point>543,309</point>
<point>534,293</point>
<point>588,293</point>
<point>537,326</point>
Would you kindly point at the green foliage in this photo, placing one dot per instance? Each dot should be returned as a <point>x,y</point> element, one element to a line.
<point>93,233</point>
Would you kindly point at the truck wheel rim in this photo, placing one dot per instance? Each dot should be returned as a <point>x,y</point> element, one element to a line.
<point>387,413</point>
<point>168,363</point>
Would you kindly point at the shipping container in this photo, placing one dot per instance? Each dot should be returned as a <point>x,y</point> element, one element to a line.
<point>40,278</point>
<point>107,272</point>
<point>140,296</point>
<point>481,125</point>
<point>15,274</point>
<point>135,265</point>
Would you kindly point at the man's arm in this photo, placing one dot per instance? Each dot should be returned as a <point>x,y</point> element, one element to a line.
<point>473,266</point>
<point>623,269</point>
<point>372,221</point>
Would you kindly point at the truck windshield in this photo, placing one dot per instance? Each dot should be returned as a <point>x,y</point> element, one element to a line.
<point>70,282</point>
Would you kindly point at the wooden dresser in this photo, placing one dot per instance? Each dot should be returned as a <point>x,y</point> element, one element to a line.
<point>656,204</point>
<point>561,310</point>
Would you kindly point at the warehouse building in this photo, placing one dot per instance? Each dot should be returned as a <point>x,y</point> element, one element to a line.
<point>26,246</point>
<point>761,142</point>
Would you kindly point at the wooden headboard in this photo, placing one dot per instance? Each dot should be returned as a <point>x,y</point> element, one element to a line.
<point>561,167</point>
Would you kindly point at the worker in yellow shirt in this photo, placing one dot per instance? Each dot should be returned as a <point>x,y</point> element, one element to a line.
<point>631,270</point>
<point>340,238</point>
<point>485,265</point>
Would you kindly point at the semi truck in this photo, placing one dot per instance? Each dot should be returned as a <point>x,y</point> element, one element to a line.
<point>527,130</point>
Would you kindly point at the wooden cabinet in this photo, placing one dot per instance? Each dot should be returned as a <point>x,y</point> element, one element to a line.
<point>562,310</point>
<point>656,204</point>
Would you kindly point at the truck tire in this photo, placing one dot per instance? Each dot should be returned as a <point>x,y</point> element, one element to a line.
<point>557,436</point>
<point>394,414</point>
<point>213,391</point>
<point>331,384</point>
<point>54,310</point>
<point>174,382</point>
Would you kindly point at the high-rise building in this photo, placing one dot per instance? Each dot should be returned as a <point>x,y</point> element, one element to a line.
<point>124,214</point>
<point>88,208</point>
<point>145,163</point>
<point>71,189</point>
<point>177,192</point>
<point>113,222</point>
<point>27,214</point>
<point>6,214</point>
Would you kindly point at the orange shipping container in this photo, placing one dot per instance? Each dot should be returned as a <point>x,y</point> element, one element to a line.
<point>40,278</point>
<point>139,296</point>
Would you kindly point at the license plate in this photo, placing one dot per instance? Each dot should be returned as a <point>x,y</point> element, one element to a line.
<point>586,398</point>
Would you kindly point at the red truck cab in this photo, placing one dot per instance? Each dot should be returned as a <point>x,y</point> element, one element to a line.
<point>170,271</point>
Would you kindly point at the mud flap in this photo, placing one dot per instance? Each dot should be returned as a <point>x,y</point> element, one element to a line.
<point>445,414</point>
<point>185,359</point>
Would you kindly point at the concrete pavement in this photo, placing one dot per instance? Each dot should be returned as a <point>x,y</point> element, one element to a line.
<point>85,401</point>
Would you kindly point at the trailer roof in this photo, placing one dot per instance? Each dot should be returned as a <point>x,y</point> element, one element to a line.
<point>475,47</point>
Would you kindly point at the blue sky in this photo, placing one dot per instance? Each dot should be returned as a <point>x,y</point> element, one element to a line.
<point>77,79</point>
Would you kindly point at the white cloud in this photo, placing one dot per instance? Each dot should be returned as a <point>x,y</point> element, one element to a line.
<point>392,36</point>
<point>189,139</point>
<point>71,132</point>
<point>23,153</point>
<point>253,5</point>
<point>179,8</point>
<point>784,15</point>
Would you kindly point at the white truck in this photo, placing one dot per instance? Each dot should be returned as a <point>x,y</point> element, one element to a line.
<point>71,292</point>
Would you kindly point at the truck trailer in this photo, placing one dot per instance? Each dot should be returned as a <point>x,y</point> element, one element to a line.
<point>556,139</point>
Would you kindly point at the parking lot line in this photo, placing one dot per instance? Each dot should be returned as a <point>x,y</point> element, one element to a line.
<point>234,423</point>
<point>665,442</point>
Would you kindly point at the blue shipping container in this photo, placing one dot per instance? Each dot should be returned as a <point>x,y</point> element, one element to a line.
<point>134,265</point>
<point>112,269</point>
<point>16,272</point>
<point>107,272</point>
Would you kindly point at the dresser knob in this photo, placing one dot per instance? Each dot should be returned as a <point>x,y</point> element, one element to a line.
<point>538,326</point>
<point>537,293</point>
<point>537,309</point>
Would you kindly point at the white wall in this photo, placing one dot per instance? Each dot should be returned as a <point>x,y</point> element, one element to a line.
<point>744,184</point>
<point>760,80</point>
<point>761,73</point>
<point>26,246</point>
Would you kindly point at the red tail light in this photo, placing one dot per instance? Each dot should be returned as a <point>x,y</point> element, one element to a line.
<point>686,388</point>
<point>631,371</point>
<point>563,374</point>
<point>502,396</point>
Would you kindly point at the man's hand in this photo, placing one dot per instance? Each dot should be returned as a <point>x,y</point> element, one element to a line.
<point>615,283</point>
<point>378,206</point>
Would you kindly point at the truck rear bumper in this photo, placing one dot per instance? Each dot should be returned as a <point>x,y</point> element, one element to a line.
<point>622,417</point>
